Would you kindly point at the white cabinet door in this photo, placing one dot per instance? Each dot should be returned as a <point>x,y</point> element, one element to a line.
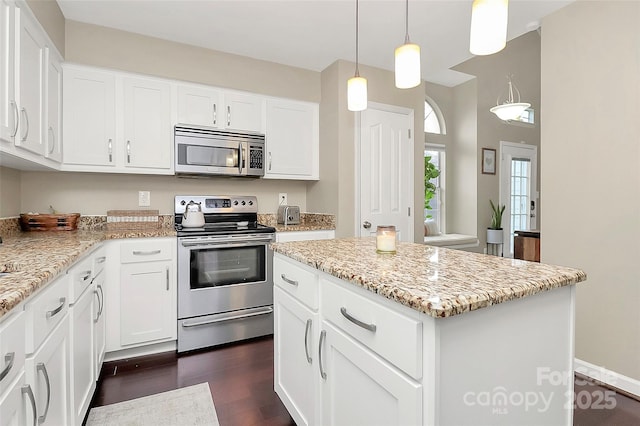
<point>292,140</point>
<point>242,111</point>
<point>295,357</point>
<point>13,404</point>
<point>199,106</point>
<point>8,106</point>
<point>360,388</point>
<point>147,307</point>
<point>89,117</point>
<point>99,323</point>
<point>83,381</point>
<point>53,131</point>
<point>48,374</point>
<point>147,123</point>
<point>31,59</point>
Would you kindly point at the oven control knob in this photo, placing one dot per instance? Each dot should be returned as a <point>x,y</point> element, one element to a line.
<point>183,202</point>
<point>243,203</point>
<point>250,202</point>
<point>235,203</point>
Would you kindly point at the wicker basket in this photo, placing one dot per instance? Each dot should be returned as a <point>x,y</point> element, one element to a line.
<point>123,220</point>
<point>49,222</point>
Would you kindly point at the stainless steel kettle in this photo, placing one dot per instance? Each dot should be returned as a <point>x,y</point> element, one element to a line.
<point>193,216</point>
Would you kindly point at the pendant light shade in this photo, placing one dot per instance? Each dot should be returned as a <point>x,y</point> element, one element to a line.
<point>357,93</point>
<point>488,26</point>
<point>356,85</point>
<point>407,60</point>
<point>511,108</point>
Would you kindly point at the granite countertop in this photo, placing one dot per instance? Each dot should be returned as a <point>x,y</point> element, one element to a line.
<point>436,281</point>
<point>33,259</point>
<point>308,222</point>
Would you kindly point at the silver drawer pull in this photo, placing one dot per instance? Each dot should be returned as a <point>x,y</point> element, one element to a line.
<point>101,259</point>
<point>323,335</point>
<point>26,389</point>
<point>146,253</point>
<point>56,311</point>
<point>8,361</point>
<point>85,275</point>
<point>370,327</point>
<point>306,340</point>
<point>43,368</point>
<point>287,280</point>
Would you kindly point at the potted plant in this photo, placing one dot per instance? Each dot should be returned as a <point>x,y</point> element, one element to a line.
<point>494,232</point>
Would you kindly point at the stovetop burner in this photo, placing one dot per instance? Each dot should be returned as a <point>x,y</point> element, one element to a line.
<point>223,214</point>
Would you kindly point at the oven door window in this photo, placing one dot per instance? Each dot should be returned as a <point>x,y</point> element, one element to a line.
<point>215,267</point>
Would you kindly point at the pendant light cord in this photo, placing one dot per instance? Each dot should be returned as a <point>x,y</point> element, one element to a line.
<point>357,70</point>
<point>406,23</point>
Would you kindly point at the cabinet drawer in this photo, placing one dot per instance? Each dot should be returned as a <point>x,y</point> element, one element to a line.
<point>11,348</point>
<point>146,251</point>
<point>99,260</point>
<point>45,311</point>
<point>297,281</point>
<point>392,335</point>
<point>80,278</point>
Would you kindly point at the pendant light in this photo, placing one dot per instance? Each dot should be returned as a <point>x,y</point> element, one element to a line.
<point>407,59</point>
<point>510,109</point>
<point>356,85</point>
<point>488,26</point>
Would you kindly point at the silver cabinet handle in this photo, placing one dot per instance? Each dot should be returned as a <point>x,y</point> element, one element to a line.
<point>215,114</point>
<point>235,317</point>
<point>228,115</point>
<point>8,361</point>
<point>306,340</point>
<point>370,327</point>
<point>16,119</point>
<point>26,119</point>
<point>366,224</point>
<point>240,156</point>
<point>167,270</point>
<point>100,297</point>
<point>323,335</point>
<point>43,368</point>
<point>110,150</point>
<point>288,281</point>
<point>269,160</point>
<point>26,389</point>
<point>53,138</point>
<point>129,152</point>
<point>56,311</point>
<point>146,253</point>
<point>85,275</point>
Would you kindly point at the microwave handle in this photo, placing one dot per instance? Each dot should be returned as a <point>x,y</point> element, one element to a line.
<point>240,157</point>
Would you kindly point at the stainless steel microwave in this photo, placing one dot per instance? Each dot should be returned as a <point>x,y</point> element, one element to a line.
<point>204,150</point>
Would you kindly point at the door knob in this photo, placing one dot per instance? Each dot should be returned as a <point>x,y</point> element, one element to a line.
<point>366,224</point>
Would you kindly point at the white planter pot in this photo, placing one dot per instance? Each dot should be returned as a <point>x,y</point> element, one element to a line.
<point>495,236</point>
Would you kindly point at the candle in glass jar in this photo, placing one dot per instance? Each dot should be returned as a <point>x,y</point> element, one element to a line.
<point>386,239</point>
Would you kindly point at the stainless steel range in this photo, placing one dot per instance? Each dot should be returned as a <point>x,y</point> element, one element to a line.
<point>225,284</point>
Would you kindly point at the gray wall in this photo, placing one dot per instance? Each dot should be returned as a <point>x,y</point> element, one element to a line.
<point>591,171</point>
<point>10,195</point>
<point>52,20</point>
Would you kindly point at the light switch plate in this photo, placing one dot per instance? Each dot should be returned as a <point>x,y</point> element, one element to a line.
<point>144,198</point>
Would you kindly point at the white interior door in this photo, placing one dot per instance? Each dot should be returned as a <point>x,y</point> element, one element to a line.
<point>386,172</point>
<point>518,190</point>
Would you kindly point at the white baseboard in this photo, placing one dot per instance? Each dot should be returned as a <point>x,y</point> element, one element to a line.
<point>608,377</point>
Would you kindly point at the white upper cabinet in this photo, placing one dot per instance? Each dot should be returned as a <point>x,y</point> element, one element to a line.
<point>199,105</point>
<point>89,117</point>
<point>292,140</point>
<point>53,132</point>
<point>223,109</point>
<point>31,94</point>
<point>116,122</point>
<point>8,106</point>
<point>147,123</point>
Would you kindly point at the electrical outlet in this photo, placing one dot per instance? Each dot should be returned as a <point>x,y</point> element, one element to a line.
<point>282,198</point>
<point>144,198</point>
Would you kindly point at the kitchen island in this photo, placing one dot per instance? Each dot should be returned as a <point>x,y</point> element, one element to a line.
<point>424,336</point>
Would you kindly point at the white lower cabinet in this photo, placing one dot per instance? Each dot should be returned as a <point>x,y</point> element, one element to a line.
<point>83,377</point>
<point>359,388</point>
<point>14,402</point>
<point>48,374</point>
<point>295,368</point>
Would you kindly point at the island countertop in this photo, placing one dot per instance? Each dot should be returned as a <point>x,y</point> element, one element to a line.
<point>436,281</point>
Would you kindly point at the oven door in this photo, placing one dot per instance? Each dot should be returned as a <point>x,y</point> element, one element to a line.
<point>225,274</point>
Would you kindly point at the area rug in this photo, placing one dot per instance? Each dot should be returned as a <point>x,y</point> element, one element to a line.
<point>192,405</point>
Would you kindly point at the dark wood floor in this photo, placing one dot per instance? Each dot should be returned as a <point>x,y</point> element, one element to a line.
<point>240,377</point>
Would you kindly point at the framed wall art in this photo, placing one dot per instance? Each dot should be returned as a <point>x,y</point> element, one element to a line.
<point>488,161</point>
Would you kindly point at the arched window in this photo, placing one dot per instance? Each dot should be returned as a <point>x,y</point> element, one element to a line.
<point>433,120</point>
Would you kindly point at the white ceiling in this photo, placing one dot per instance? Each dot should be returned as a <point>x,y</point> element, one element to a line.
<point>312,34</point>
